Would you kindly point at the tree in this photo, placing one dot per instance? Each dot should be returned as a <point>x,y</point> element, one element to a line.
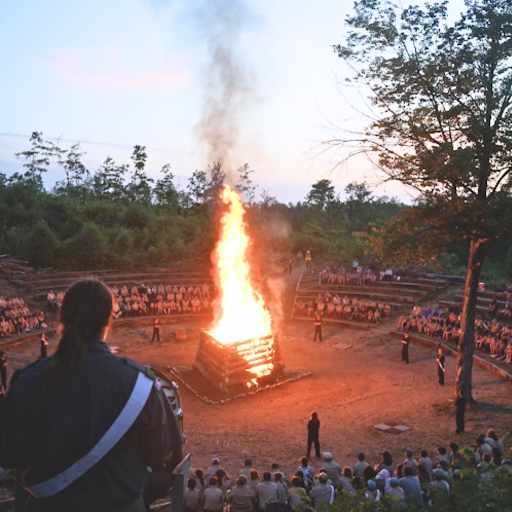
<point>165,191</point>
<point>140,184</point>
<point>321,194</point>
<point>88,248</point>
<point>42,245</point>
<point>440,122</point>
<point>38,158</point>
<point>244,184</point>
<point>108,182</point>
<point>197,184</point>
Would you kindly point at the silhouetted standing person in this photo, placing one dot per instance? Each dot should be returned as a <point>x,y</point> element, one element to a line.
<point>3,368</point>
<point>156,331</point>
<point>313,434</point>
<point>43,345</point>
<point>405,348</point>
<point>440,367</point>
<point>460,404</point>
<point>318,327</point>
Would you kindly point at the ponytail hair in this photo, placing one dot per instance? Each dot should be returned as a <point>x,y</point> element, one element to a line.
<point>84,316</point>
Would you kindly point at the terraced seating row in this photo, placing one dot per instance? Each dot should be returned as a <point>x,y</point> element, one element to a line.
<point>19,279</point>
<point>342,288</point>
<point>49,280</point>
<point>394,299</point>
<point>43,292</point>
<point>483,301</point>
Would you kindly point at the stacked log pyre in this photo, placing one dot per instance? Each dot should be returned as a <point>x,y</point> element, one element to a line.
<point>10,266</point>
<point>225,366</point>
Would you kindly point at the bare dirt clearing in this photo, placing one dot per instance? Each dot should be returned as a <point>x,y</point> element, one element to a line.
<point>352,390</point>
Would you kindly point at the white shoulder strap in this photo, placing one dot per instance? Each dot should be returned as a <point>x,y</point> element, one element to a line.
<point>117,430</point>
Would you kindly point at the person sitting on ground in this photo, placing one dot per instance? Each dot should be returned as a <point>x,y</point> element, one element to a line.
<point>322,492</point>
<point>426,461</point>
<point>213,497</point>
<point>346,481</point>
<point>281,488</point>
<point>385,463</point>
<point>266,492</point>
<point>247,468</point>
<point>410,461</point>
<point>241,497</point>
<point>276,469</point>
<point>372,494</point>
<point>333,469</point>
<point>254,480</point>
<point>438,489</point>
<point>192,496</point>
<point>293,494</point>
<point>397,503</point>
<point>411,486</point>
<point>442,455</point>
<point>360,466</point>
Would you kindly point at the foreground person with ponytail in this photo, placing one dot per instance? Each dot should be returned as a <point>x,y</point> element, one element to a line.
<point>82,426</point>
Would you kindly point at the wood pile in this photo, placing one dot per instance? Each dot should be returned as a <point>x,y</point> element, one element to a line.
<point>226,367</point>
<point>10,266</point>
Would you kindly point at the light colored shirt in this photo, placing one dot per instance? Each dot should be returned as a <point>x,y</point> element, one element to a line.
<point>333,471</point>
<point>241,498</point>
<point>322,493</point>
<point>266,492</point>
<point>359,468</point>
<point>192,498</point>
<point>213,499</point>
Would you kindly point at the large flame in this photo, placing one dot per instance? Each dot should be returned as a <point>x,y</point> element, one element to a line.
<point>244,316</point>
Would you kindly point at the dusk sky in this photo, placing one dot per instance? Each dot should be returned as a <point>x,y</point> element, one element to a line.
<point>123,72</point>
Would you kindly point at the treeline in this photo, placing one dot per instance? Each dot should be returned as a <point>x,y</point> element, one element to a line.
<point>117,216</point>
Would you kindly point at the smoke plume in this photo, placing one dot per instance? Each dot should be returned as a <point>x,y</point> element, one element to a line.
<point>228,82</point>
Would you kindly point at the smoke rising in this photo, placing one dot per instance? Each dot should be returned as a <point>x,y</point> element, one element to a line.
<point>228,81</point>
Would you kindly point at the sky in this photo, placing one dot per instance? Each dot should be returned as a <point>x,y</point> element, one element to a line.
<point>112,74</point>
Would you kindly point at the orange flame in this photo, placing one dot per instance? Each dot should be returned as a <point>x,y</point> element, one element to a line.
<point>243,313</point>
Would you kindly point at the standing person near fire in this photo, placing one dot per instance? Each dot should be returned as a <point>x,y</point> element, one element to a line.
<point>318,327</point>
<point>313,434</point>
<point>440,367</point>
<point>43,345</point>
<point>81,426</point>
<point>308,260</point>
<point>156,331</point>
<point>405,347</point>
<point>300,257</point>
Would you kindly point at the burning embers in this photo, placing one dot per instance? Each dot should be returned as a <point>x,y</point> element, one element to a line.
<point>236,367</point>
<point>240,349</point>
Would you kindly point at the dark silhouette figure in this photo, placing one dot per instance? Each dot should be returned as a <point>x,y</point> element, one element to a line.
<point>313,434</point>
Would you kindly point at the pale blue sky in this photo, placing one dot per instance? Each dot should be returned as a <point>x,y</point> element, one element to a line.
<point>114,73</point>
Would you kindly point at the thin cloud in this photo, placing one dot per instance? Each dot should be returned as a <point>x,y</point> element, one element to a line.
<point>80,67</point>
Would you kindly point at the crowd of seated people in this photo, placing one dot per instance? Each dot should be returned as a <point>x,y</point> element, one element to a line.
<point>338,308</point>
<point>161,300</point>
<point>355,276</point>
<point>491,336</point>
<point>412,481</point>
<point>16,317</point>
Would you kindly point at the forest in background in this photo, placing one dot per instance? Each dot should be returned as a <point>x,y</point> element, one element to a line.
<point>118,217</point>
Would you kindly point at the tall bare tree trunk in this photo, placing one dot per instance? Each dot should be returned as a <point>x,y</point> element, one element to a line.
<point>466,346</point>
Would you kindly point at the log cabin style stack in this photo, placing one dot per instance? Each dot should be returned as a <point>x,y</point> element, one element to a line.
<point>227,366</point>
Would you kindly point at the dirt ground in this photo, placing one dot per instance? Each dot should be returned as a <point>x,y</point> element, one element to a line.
<point>352,390</point>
